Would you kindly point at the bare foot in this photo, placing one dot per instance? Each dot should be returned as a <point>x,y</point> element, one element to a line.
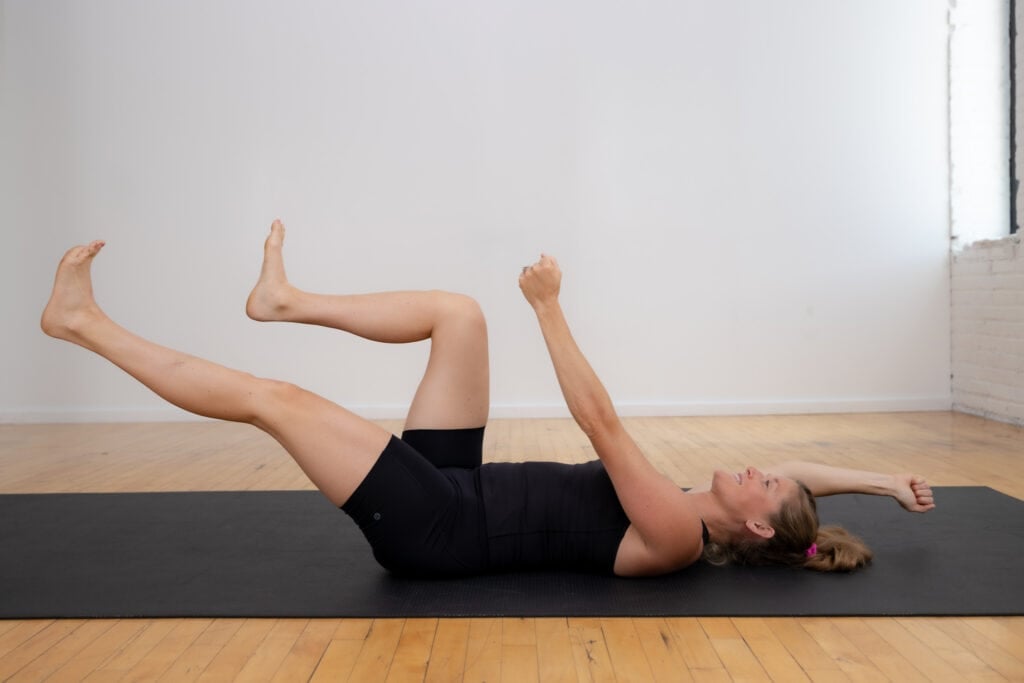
<point>72,304</point>
<point>269,298</point>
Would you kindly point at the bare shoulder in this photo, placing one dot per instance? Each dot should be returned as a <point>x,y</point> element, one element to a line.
<point>636,557</point>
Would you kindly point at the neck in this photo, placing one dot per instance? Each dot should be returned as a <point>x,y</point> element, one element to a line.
<point>720,527</point>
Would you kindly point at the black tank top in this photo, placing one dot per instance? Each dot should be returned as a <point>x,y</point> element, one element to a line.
<point>544,515</point>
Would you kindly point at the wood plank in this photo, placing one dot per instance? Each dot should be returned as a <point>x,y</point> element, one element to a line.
<point>59,654</point>
<point>663,654</point>
<point>21,632</point>
<point>483,653</point>
<point>590,653</point>
<point>164,654</point>
<point>1006,663</point>
<point>413,651</point>
<point>629,662</point>
<point>694,645</point>
<point>99,651</point>
<point>338,661</point>
<point>307,651</point>
<point>814,661</point>
<point>999,631</point>
<point>1013,624</point>
<point>8,625</point>
<point>769,650</point>
<point>711,676</point>
<point>828,676</point>
<point>245,642</point>
<point>955,654</point>
<point>449,658</point>
<point>885,657</point>
<point>378,650</point>
<point>134,651</point>
<point>554,651</point>
<point>910,647</point>
<point>519,631</point>
<point>519,662</point>
<point>851,660</point>
<point>353,629</point>
<point>37,645</point>
<point>734,653</point>
<point>194,660</point>
<point>272,651</point>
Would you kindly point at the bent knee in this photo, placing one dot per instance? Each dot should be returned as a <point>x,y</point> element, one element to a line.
<point>463,308</point>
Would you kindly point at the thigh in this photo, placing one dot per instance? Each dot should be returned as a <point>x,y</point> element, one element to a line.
<point>418,519</point>
<point>334,447</point>
<point>455,390</point>
<point>462,448</point>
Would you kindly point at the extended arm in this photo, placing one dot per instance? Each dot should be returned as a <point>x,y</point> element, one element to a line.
<point>585,395</point>
<point>910,491</point>
<point>656,507</point>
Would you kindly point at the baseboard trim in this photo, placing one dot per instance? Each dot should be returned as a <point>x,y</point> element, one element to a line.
<point>525,410</point>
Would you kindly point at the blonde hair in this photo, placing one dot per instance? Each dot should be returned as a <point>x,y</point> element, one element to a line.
<point>796,531</point>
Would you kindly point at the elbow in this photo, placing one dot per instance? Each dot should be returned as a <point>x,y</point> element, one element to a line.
<point>789,468</point>
<point>598,423</point>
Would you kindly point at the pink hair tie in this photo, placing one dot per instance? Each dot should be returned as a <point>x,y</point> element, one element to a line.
<point>813,550</point>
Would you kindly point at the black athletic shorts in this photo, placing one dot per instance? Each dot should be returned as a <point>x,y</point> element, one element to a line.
<point>419,506</point>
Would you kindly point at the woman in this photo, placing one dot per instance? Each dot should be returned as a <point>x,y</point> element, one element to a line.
<point>424,502</point>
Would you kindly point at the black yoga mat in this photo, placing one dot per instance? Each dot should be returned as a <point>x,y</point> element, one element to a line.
<point>291,554</point>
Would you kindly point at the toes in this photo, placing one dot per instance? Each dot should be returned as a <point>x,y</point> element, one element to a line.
<point>76,256</point>
<point>276,237</point>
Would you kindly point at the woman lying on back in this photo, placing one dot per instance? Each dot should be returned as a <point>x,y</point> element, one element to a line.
<point>425,501</point>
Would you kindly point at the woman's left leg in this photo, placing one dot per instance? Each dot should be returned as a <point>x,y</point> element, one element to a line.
<point>335,448</point>
<point>454,391</point>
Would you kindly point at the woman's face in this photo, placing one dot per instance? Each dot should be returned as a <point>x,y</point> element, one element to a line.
<point>753,496</point>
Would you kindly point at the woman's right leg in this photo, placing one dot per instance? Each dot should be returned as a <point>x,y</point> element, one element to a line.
<point>335,448</point>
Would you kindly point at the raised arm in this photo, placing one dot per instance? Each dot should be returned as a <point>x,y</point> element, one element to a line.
<point>665,533</point>
<point>586,397</point>
<point>910,491</point>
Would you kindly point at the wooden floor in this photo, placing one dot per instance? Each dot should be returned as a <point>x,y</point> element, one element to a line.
<point>948,448</point>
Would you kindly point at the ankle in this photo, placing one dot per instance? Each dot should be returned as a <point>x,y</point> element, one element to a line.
<point>72,326</point>
<point>271,303</point>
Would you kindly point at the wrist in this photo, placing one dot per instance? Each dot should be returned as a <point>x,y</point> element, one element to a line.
<point>545,306</point>
<point>876,484</point>
<point>889,485</point>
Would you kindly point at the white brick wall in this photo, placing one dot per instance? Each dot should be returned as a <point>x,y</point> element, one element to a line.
<point>988,329</point>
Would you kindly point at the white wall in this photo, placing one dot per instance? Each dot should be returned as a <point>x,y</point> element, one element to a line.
<point>988,329</point>
<point>749,200</point>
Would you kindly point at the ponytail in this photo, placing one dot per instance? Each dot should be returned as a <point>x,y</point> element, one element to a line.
<point>837,550</point>
<point>798,542</point>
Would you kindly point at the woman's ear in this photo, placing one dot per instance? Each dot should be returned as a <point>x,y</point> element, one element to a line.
<point>761,529</point>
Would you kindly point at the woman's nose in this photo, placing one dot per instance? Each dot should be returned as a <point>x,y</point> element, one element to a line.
<point>753,472</point>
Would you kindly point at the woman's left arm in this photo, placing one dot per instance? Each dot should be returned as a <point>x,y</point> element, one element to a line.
<point>585,395</point>
<point>656,507</point>
<point>909,490</point>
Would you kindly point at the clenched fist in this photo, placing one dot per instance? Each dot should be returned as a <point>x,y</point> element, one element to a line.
<point>542,281</point>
